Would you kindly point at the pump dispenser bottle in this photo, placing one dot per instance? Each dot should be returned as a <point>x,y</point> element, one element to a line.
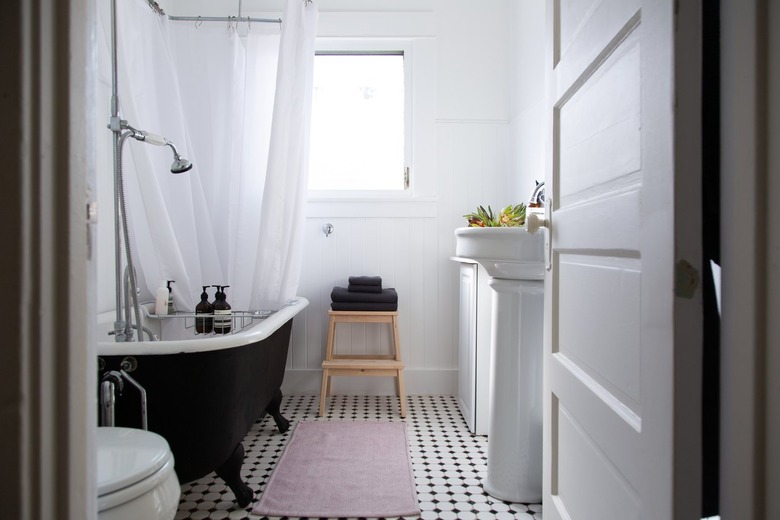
<point>222,312</point>
<point>161,299</point>
<point>171,309</point>
<point>204,325</point>
<point>216,295</point>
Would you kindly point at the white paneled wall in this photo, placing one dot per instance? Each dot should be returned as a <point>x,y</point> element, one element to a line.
<point>529,129</point>
<point>404,252</point>
<point>410,250</point>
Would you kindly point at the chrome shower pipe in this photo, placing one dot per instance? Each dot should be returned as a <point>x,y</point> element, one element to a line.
<point>129,305</point>
<point>115,126</point>
<point>121,215</point>
<point>123,329</point>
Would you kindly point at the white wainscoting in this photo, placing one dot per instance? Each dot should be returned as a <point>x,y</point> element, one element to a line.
<point>408,244</point>
<point>404,252</point>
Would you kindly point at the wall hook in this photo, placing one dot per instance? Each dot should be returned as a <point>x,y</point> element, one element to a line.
<point>327,229</point>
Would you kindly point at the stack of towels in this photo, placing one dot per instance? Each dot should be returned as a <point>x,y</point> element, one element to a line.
<point>364,293</point>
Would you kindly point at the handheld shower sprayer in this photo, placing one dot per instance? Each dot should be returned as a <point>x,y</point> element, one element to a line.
<point>179,165</point>
<point>146,137</point>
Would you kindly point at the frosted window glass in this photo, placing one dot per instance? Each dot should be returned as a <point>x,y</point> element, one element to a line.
<point>357,129</point>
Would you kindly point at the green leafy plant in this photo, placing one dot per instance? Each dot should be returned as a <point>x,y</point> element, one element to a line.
<point>510,216</point>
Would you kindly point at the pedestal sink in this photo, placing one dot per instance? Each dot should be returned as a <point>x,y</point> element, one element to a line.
<point>514,259</point>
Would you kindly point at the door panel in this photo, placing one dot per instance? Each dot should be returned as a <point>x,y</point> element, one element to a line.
<point>599,124</point>
<point>609,305</point>
<point>584,36</point>
<point>606,223</point>
<point>606,493</point>
<point>606,308</point>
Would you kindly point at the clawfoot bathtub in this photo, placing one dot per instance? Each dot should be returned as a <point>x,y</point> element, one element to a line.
<point>204,394</point>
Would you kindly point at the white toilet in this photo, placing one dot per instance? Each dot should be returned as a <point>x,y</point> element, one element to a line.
<point>135,476</point>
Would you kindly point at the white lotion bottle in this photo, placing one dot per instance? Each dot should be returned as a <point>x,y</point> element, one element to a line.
<point>161,299</point>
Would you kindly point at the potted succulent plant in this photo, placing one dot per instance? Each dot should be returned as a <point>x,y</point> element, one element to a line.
<point>510,216</point>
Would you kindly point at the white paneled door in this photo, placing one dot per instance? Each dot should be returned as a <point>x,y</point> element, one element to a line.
<point>610,395</point>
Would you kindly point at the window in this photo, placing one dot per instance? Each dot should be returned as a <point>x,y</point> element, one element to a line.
<point>359,122</point>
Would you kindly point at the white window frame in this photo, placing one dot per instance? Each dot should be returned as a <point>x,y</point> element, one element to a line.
<point>367,46</point>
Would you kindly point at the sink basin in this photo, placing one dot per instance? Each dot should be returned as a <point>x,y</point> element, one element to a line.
<point>505,252</point>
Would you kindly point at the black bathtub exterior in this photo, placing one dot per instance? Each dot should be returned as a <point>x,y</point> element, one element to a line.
<point>204,403</point>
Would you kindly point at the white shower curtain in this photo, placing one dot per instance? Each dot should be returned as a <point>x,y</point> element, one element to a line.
<point>235,218</point>
<point>277,271</point>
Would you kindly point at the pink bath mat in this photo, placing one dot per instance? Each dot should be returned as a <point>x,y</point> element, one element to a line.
<point>343,469</point>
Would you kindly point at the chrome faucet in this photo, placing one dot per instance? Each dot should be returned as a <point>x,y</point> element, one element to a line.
<point>537,197</point>
<point>108,391</point>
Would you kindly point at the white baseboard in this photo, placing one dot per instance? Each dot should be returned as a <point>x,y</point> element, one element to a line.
<point>417,382</point>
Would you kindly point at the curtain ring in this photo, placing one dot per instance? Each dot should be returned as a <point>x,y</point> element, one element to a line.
<point>198,22</point>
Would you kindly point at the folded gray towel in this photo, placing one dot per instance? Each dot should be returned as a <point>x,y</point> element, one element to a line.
<point>341,294</point>
<point>365,280</point>
<point>364,288</point>
<point>363,306</point>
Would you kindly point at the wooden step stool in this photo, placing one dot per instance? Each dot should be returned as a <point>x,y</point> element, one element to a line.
<point>362,365</point>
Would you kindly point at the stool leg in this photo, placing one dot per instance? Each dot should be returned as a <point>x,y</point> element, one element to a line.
<point>401,392</point>
<point>324,389</point>
<point>331,337</point>
<point>396,339</point>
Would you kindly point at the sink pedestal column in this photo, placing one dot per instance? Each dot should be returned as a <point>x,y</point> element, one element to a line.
<point>514,459</point>
<point>514,260</point>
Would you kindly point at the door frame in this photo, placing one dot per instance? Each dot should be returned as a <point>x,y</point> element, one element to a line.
<point>47,366</point>
<point>688,310</point>
<point>750,336</point>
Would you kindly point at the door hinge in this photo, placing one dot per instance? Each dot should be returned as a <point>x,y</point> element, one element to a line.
<point>406,177</point>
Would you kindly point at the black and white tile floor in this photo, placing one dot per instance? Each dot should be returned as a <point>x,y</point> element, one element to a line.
<point>448,461</point>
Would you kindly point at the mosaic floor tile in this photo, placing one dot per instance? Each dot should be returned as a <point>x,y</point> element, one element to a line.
<point>447,459</point>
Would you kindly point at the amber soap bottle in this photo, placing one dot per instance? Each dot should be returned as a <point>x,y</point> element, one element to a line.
<point>204,325</point>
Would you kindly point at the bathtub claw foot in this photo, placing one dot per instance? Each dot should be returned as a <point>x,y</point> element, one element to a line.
<point>281,423</point>
<point>274,408</point>
<point>230,472</point>
<point>244,496</point>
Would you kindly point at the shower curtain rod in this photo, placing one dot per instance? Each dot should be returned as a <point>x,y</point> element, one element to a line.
<point>223,19</point>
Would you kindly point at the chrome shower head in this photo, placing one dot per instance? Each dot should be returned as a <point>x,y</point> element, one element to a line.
<point>180,164</point>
